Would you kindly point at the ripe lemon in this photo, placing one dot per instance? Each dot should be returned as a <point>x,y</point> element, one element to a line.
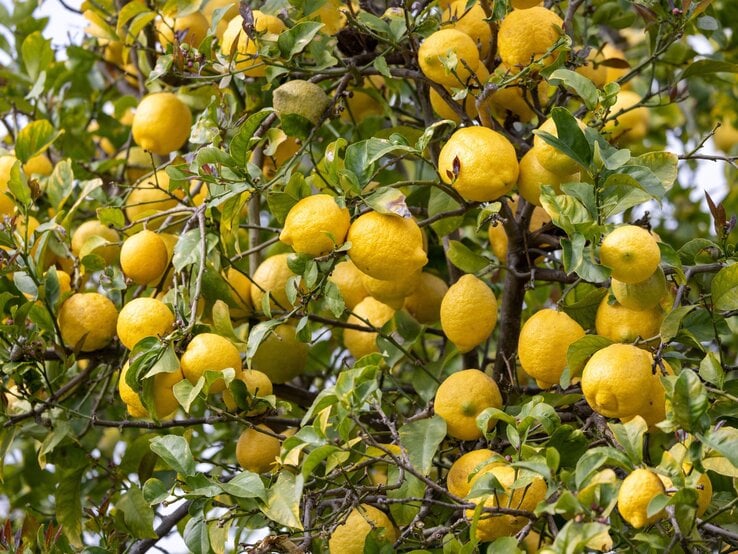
<point>526,35</point>
<point>360,104</point>
<point>632,124</point>
<point>440,45</point>
<point>445,111</point>
<point>271,276</point>
<point>386,246</point>
<point>472,22</point>
<point>300,97</point>
<point>282,356</point>
<point>161,123</point>
<point>549,157</point>
<point>726,136</point>
<point>144,257</point>
<point>7,206</point>
<point>533,176</point>
<point>636,492</point>
<point>479,163</point>
<point>164,400</point>
<point>361,343</point>
<point>641,296</point>
<point>424,304</point>
<point>257,450</point>
<point>631,252</point>
<point>703,486</point>
<point>393,292</point>
<point>141,318</point>
<point>543,343</point>
<point>208,10</point>
<point>468,312</point>
<point>241,290</point>
<point>38,165</point>
<point>466,467</point>
<point>87,319</point>
<point>492,526</point>
<point>257,383</point>
<point>91,230</point>
<point>150,197</point>
<point>498,237</point>
<point>524,4</point>
<point>350,536</point>
<point>654,411</point>
<point>315,225</point>
<point>610,52</point>
<point>593,69</point>
<point>462,397</point>
<point>347,278</point>
<point>615,378</point>
<point>515,97</point>
<point>190,29</point>
<point>208,351</point>
<point>331,15</point>
<point>138,163</point>
<point>244,52</point>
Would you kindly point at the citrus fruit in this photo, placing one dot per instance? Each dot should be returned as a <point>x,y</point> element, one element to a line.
<point>162,123</point>
<point>38,165</point>
<point>164,400</point>
<point>7,206</point>
<point>643,295</point>
<point>138,163</point>
<point>471,21</point>
<point>144,257</point>
<point>461,397</point>
<point>240,286</point>
<point>281,356</point>
<point>726,136</point>
<point>386,246</point>
<point>702,485</point>
<point>149,197</point>
<point>631,252</point>
<point>141,318</point>
<point>655,409</point>
<point>257,383</point>
<point>331,15</point>
<point>533,176</point>
<point>393,292</point>
<point>498,236</point>
<point>208,351</point>
<point>347,278</point>
<point>548,156</point>
<point>468,312</point>
<point>526,35</point>
<point>479,163</point>
<point>612,53</point>
<point>189,29</point>
<point>593,69</point>
<point>424,304</point>
<point>444,45</point>
<point>615,378</point>
<point>257,449</point>
<point>524,4</point>
<point>350,536</point>
<point>632,124</point>
<point>636,492</point>
<point>87,320</point>
<point>271,276</point>
<point>371,310</point>
<point>95,232</point>
<point>315,225</point>
<point>237,46</point>
<point>543,343</point>
<point>444,110</point>
<point>466,467</point>
<point>299,97</point>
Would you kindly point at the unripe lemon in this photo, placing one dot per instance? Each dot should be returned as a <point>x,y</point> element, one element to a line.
<point>461,397</point>
<point>636,492</point>
<point>631,252</point>
<point>143,257</point>
<point>533,176</point>
<point>549,157</point>
<point>458,479</point>
<point>615,378</point>
<point>632,124</point>
<point>164,400</point>
<point>479,163</point>
<point>468,313</point>
<point>257,383</point>
<point>300,97</point>
<point>141,318</point>
<point>424,304</point>
<point>241,290</point>
<point>350,536</point>
<point>190,29</point>
<point>471,21</point>
<point>526,35</point>
<point>315,225</point>
<point>271,276</point>
<point>257,450</point>
<point>162,123</point>
<point>643,295</point>
<point>442,44</point>
<point>281,356</point>
<point>361,343</point>
<point>386,246</point>
<point>347,278</point>
<point>91,230</point>
<point>392,292</point>
<point>244,51</point>
<point>87,319</point>
<point>208,351</point>
<point>543,344</point>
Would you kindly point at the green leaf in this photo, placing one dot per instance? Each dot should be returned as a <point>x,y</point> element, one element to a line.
<point>566,212</point>
<point>295,39</point>
<point>724,441</point>
<point>707,67</point>
<point>421,439</point>
<point>664,165</point>
<point>581,305</point>
<point>388,200</point>
<point>584,88</point>
<point>241,144</point>
<point>362,156</point>
<point>283,500</point>
<point>258,334</point>
<point>711,370</point>
<point>186,393</point>
<point>34,139</point>
<point>630,437</point>
<point>137,514</point>
<point>672,322</point>
<point>570,443</point>
<point>37,55</point>
<point>577,258</point>
<point>175,452</point>
<point>245,485</point>
<point>155,491</point>
<point>18,186</point>
<point>110,215</point>
<point>441,202</point>
<point>571,140</point>
<point>581,350</point>
<point>466,260</point>
<point>504,545</point>
<point>69,505</point>
<point>689,403</point>
<point>196,535</point>
<point>594,458</point>
<point>724,289</point>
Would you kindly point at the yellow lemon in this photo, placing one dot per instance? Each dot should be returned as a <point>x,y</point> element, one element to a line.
<point>361,343</point>
<point>282,356</point>
<point>331,15</point>
<point>498,237</point>
<point>348,279</point>
<point>468,312</point>
<point>244,51</point>
<point>315,225</point>
<point>257,449</point>
<point>164,400</point>
<point>38,165</point>
<point>593,69</point>
<point>533,176</point>
<point>190,29</point>
<point>141,318</point>
<point>543,343</point>
<point>144,257</point>
<point>726,136</point>
<point>466,467</point>
<point>161,123</point>
<point>654,411</point>
<point>87,320</point>
<point>424,304</point>
<point>444,110</point>
<point>549,157</point>
<point>350,536</point>
<point>461,397</point>
<point>471,21</point>
<point>138,163</point>
<point>526,35</point>
<point>610,52</point>
<point>149,197</point>
<point>360,104</point>
<point>257,383</point>
<point>479,163</point>
<point>271,276</point>
<point>631,252</point>
<point>91,230</point>
<point>208,10</point>
<point>394,292</point>
<point>438,47</point>
<point>208,351</point>
<point>7,206</point>
<point>240,286</point>
<point>386,246</point>
<point>643,295</point>
<point>630,123</point>
<point>636,492</point>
